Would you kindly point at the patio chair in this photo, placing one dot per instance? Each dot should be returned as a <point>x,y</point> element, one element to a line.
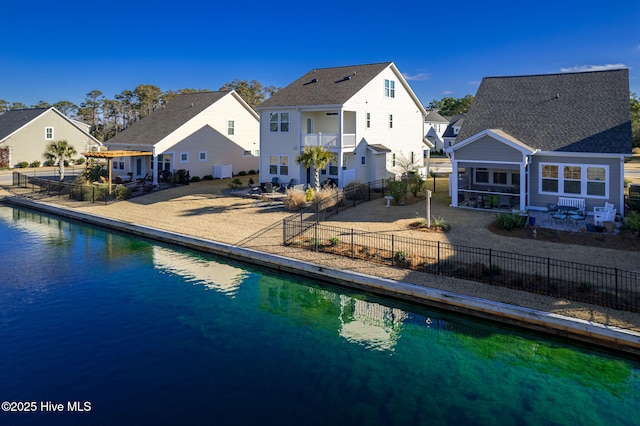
<point>504,202</point>
<point>604,216</point>
<point>268,187</point>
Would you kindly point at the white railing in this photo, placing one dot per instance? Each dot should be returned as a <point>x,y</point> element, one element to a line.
<point>329,140</point>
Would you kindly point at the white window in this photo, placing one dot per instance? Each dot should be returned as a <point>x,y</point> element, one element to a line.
<point>574,180</point>
<point>184,157</point>
<point>391,121</point>
<point>279,122</point>
<point>389,89</point>
<point>368,120</point>
<point>202,156</point>
<point>48,133</point>
<point>256,152</point>
<point>246,153</point>
<point>231,127</point>
<point>279,164</point>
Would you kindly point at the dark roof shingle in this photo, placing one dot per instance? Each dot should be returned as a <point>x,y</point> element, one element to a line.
<point>326,86</point>
<point>13,120</point>
<point>570,112</point>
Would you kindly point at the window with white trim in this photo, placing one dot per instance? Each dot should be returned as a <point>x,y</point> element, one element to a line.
<point>279,122</point>
<point>284,165</point>
<point>368,120</point>
<point>574,179</point>
<point>202,156</point>
<point>231,127</point>
<point>48,133</point>
<point>391,121</point>
<point>246,153</point>
<point>389,89</point>
<point>273,164</point>
<point>184,157</point>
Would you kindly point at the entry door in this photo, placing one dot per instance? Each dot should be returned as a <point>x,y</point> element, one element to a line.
<point>139,168</point>
<point>309,125</point>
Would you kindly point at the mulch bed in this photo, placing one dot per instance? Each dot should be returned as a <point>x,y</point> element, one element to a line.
<point>624,240</point>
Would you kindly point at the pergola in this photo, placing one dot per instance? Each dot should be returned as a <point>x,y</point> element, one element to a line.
<point>110,155</point>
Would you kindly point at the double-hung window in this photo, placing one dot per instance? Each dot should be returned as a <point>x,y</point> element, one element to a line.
<point>231,127</point>
<point>279,122</point>
<point>574,179</point>
<point>279,164</point>
<point>48,133</point>
<point>389,89</point>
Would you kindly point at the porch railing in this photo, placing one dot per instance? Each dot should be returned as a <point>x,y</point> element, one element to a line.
<point>329,140</point>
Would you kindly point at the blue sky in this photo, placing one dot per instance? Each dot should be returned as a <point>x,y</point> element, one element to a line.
<point>55,51</point>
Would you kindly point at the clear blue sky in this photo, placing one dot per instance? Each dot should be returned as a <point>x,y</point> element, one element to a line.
<point>55,51</point>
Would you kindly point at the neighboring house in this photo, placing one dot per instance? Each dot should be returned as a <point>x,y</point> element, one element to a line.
<point>453,128</point>
<point>533,139</point>
<point>366,115</point>
<point>435,126</point>
<point>202,133</point>
<point>26,132</point>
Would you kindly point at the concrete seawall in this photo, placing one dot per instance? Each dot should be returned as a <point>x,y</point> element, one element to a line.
<point>570,328</point>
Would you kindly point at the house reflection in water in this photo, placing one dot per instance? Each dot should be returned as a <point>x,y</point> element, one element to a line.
<point>216,276</point>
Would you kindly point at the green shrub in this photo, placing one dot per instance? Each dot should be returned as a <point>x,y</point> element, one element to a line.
<point>400,256</point>
<point>195,179</point>
<point>252,172</point>
<point>584,286</point>
<point>207,177</point>
<point>397,189</point>
<point>314,242</point>
<point>356,191</point>
<point>416,185</point>
<point>251,181</point>
<point>632,222</point>
<point>35,164</point>
<point>439,222</point>
<point>235,183</point>
<point>334,241</point>
<point>22,164</point>
<point>510,221</point>
<point>242,173</point>
<point>79,161</point>
<point>121,192</point>
<point>48,163</point>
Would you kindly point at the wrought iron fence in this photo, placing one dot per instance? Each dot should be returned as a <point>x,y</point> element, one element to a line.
<point>51,187</point>
<point>609,287</point>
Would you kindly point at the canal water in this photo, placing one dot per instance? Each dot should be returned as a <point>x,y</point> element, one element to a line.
<point>98,327</point>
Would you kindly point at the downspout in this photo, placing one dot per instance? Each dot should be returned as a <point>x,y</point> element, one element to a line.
<point>155,168</point>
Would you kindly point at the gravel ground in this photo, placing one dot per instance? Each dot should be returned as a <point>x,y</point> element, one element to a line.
<point>203,210</point>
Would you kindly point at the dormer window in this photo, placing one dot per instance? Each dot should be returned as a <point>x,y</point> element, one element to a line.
<point>456,130</point>
<point>389,89</point>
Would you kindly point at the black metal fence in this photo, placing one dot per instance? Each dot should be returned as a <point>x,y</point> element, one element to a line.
<point>73,191</point>
<point>609,287</point>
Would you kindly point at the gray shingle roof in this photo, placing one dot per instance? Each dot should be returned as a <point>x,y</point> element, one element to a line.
<point>572,112</point>
<point>13,120</point>
<point>434,117</point>
<point>456,120</point>
<point>163,121</point>
<point>325,86</point>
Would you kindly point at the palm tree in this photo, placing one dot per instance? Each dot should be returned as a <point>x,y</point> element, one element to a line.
<point>59,151</point>
<point>316,157</point>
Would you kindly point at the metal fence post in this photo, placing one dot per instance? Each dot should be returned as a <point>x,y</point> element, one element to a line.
<point>616,278</point>
<point>352,245</point>
<point>548,276</point>
<point>438,260</point>
<point>490,269</point>
<point>393,251</point>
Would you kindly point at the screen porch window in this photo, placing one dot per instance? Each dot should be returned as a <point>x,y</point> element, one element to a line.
<point>482,175</point>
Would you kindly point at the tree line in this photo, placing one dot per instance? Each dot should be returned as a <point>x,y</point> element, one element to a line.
<point>108,117</point>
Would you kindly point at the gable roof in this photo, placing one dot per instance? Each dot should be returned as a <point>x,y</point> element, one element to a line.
<point>455,121</point>
<point>570,112</point>
<point>434,117</point>
<point>332,86</point>
<point>13,120</point>
<point>165,120</point>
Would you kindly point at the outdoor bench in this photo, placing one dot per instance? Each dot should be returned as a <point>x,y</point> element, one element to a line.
<point>578,203</point>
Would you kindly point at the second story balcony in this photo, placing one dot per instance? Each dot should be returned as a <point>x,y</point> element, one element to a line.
<point>330,141</point>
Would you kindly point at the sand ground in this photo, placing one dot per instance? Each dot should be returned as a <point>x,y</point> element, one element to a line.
<point>204,209</point>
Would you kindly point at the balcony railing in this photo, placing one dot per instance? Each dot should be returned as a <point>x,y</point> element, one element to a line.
<point>329,140</point>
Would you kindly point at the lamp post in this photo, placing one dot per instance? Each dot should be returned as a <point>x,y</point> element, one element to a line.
<point>428,209</point>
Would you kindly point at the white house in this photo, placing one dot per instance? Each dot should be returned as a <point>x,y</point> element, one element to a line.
<point>27,132</point>
<point>435,126</point>
<point>366,115</point>
<point>204,133</point>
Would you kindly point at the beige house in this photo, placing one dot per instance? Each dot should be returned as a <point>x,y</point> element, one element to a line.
<point>204,133</point>
<point>26,132</point>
